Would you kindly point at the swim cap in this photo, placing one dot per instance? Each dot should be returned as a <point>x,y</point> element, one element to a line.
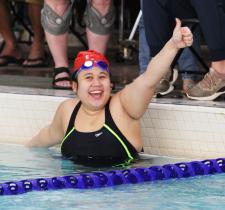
<point>87,59</point>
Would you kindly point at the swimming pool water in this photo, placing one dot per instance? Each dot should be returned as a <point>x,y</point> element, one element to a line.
<point>17,162</point>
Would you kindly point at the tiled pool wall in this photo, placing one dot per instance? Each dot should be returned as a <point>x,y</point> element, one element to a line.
<point>176,130</point>
<point>21,116</point>
<point>184,131</point>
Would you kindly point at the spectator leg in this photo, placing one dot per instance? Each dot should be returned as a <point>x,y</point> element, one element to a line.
<point>10,47</point>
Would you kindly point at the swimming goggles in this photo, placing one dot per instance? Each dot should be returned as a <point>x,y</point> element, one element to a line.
<point>87,65</point>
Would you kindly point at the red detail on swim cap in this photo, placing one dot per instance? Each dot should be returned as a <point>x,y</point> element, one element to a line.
<point>88,55</point>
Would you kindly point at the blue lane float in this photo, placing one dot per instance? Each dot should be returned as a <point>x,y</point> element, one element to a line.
<point>116,177</point>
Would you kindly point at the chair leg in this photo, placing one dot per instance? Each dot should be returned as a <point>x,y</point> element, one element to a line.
<point>20,19</point>
<point>74,32</point>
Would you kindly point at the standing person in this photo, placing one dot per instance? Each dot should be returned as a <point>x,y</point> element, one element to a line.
<point>186,63</point>
<point>99,129</point>
<point>99,17</point>
<point>11,54</point>
<point>159,22</point>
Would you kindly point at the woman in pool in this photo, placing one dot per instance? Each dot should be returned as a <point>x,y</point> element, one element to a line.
<point>96,128</point>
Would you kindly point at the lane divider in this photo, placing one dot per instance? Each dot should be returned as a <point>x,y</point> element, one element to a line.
<point>115,177</point>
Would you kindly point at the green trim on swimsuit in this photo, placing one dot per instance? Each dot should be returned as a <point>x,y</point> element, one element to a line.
<point>67,136</point>
<point>121,142</point>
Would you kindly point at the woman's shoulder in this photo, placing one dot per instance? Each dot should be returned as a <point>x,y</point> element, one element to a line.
<point>70,102</point>
<point>65,110</point>
<point>68,105</point>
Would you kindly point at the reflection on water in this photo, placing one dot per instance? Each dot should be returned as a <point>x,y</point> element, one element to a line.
<point>17,162</point>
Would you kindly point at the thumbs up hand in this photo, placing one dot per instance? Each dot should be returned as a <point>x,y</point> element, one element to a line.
<point>182,36</point>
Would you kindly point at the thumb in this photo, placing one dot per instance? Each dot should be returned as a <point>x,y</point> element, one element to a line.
<point>178,23</point>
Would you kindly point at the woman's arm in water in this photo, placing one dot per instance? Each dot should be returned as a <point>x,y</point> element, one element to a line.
<point>51,134</point>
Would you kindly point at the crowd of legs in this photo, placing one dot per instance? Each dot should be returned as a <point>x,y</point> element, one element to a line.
<point>50,20</point>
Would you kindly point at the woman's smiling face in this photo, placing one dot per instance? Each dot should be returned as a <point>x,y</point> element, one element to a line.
<point>94,88</point>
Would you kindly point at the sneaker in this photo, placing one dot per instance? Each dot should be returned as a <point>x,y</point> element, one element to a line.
<point>208,89</point>
<point>165,86</point>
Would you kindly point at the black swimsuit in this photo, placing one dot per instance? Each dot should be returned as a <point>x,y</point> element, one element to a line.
<point>106,146</point>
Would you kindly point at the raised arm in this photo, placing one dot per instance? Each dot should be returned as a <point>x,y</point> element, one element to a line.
<point>136,96</point>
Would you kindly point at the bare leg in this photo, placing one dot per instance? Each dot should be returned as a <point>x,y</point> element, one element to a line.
<point>96,41</point>
<point>11,47</point>
<point>37,47</point>
<point>58,44</point>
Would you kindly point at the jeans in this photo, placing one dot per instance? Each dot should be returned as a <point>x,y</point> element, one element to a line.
<point>144,50</point>
<point>187,61</point>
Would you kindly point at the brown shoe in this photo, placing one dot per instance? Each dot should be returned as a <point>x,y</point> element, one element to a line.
<point>165,86</point>
<point>208,89</point>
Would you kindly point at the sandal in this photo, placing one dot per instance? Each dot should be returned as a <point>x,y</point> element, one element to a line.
<point>9,60</point>
<point>67,78</point>
<point>36,62</point>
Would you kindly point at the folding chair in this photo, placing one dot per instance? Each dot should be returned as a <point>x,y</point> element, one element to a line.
<point>129,46</point>
<point>17,8</point>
